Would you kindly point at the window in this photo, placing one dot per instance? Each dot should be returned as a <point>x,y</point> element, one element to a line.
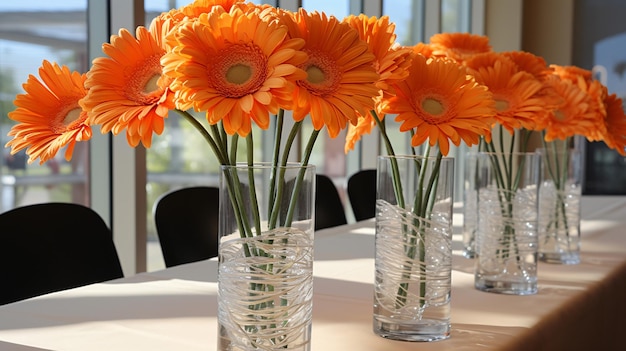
<point>31,31</point>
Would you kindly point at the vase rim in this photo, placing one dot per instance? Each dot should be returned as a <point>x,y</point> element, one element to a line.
<point>289,165</point>
<point>382,157</point>
<point>514,153</point>
<point>572,150</point>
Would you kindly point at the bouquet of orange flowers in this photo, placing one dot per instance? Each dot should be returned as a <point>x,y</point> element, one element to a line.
<point>556,102</point>
<point>237,64</point>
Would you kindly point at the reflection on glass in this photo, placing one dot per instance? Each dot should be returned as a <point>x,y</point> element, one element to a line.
<point>31,31</point>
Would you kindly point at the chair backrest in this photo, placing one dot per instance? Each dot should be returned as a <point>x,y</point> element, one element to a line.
<point>329,210</point>
<point>187,224</point>
<point>51,247</point>
<point>362,194</point>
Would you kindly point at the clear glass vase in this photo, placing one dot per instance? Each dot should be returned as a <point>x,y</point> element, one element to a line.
<point>265,277</point>
<point>506,238</point>
<point>559,203</point>
<point>413,248</point>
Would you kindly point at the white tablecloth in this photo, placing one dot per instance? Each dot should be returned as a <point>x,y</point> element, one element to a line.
<point>175,309</point>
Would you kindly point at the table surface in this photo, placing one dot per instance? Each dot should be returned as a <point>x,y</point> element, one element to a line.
<point>175,309</point>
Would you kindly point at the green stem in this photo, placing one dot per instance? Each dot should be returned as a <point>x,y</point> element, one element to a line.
<point>222,141</point>
<point>280,117</point>
<point>432,184</point>
<point>397,184</point>
<point>418,206</point>
<point>274,214</point>
<point>252,182</point>
<point>234,145</point>
<point>298,184</point>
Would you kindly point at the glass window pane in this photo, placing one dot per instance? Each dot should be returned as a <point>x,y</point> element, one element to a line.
<point>337,8</point>
<point>402,13</point>
<point>31,31</point>
<point>455,16</point>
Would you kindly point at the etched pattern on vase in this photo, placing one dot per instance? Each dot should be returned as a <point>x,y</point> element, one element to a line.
<point>507,244</point>
<point>265,299</point>
<point>407,288</point>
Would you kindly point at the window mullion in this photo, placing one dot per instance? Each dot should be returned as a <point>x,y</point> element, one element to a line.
<point>100,144</point>
<point>128,168</point>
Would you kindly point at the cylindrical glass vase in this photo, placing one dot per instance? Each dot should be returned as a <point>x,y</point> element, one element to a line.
<point>265,276</point>
<point>506,240</point>
<point>413,248</point>
<point>559,204</point>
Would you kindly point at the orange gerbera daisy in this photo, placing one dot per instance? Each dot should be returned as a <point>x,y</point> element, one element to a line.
<point>615,125</point>
<point>127,90</point>
<point>392,61</point>
<point>48,115</point>
<point>584,80</point>
<point>234,66</point>
<point>533,64</point>
<point>515,92</point>
<point>459,46</point>
<point>341,77</point>
<point>572,115</point>
<point>442,103</point>
<point>392,64</point>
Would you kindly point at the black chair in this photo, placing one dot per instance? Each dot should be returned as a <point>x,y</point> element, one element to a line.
<point>329,210</point>
<point>51,247</point>
<point>187,224</point>
<point>362,194</point>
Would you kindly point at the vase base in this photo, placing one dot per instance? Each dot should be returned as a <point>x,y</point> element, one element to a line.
<point>424,331</point>
<point>560,257</point>
<point>491,285</point>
